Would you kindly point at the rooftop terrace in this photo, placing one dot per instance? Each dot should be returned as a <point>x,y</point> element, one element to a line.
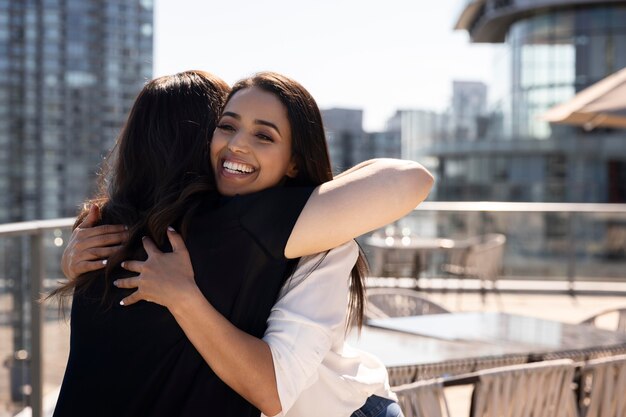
<point>562,262</point>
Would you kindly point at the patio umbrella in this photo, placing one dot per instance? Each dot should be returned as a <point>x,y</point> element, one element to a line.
<point>602,104</point>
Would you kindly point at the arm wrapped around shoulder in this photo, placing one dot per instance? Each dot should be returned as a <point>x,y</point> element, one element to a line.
<point>365,198</point>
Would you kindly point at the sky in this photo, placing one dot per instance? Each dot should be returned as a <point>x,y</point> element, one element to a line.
<point>378,56</point>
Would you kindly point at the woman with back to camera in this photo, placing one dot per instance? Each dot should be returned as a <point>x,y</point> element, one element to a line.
<point>154,177</point>
<point>330,202</point>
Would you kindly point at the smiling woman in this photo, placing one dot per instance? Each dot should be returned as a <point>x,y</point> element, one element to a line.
<point>251,147</point>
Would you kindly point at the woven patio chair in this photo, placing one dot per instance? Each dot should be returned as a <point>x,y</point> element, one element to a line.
<point>603,387</point>
<point>540,389</point>
<point>482,260</point>
<point>616,316</point>
<point>396,263</point>
<point>398,302</point>
<point>422,399</point>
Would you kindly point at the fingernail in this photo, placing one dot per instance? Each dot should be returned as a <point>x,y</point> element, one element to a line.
<point>170,228</point>
<point>104,261</point>
<point>115,283</point>
<point>123,264</point>
<point>143,237</point>
<point>122,302</point>
<point>125,227</point>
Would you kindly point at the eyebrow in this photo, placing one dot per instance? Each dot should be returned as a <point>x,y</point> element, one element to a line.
<point>256,121</point>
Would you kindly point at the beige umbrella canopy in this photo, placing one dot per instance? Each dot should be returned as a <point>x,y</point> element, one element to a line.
<point>602,104</point>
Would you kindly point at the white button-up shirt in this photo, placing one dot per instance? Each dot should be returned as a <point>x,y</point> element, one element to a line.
<point>317,372</point>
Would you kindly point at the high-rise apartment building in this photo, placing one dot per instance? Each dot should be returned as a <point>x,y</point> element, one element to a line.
<point>69,72</point>
<point>383,144</point>
<point>346,138</point>
<point>548,51</point>
<point>414,132</point>
<point>469,107</point>
<point>349,144</point>
<point>417,130</point>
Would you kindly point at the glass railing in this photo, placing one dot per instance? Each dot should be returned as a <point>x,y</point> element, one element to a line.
<point>33,339</point>
<point>545,241</point>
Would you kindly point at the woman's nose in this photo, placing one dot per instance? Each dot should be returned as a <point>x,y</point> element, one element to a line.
<point>238,143</point>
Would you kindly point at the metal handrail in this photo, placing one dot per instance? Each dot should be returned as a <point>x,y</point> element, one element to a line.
<point>502,206</point>
<point>35,230</point>
<point>34,227</point>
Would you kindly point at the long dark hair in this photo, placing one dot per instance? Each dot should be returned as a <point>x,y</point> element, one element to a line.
<point>308,143</point>
<point>158,165</point>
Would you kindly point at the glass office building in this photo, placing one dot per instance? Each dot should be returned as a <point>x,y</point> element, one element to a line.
<point>548,51</point>
<point>69,72</point>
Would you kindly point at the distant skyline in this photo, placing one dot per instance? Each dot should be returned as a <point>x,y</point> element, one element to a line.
<point>375,56</point>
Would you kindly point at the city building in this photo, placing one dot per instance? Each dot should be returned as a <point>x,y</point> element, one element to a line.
<point>349,144</point>
<point>548,50</point>
<point>346,138</point>
<point>385,144</point>
<point>469,108</point>
<point>69,72</point>
<point>417,131</point>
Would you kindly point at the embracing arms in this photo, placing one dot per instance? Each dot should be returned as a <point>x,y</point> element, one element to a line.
<point>242,361</point>
<point>269,373</point>
<point>89,247</point>
<point>366,197</point>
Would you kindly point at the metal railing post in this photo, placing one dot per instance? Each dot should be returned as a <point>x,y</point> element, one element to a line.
<point>36,328</point>
<point>571,252</point>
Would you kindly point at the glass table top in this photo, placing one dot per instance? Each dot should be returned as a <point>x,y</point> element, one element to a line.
<point>436,338</point>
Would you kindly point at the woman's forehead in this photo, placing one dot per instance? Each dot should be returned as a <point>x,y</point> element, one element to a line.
<point>256,103</point>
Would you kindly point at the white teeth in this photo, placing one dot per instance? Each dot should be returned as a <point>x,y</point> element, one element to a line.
<point>237,167</point>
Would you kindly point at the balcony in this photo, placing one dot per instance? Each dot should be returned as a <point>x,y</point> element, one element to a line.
<point>561,260</point>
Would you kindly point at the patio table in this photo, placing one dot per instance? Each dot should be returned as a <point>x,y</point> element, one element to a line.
<point>434,345</point>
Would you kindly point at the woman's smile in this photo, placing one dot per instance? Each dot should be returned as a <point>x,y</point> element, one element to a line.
<point>237,167</point>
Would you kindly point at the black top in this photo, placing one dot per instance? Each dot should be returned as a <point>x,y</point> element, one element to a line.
<point>136,361</point>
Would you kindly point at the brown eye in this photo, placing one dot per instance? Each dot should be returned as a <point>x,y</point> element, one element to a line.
<point>225,127</point>
<point>264,137</point>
